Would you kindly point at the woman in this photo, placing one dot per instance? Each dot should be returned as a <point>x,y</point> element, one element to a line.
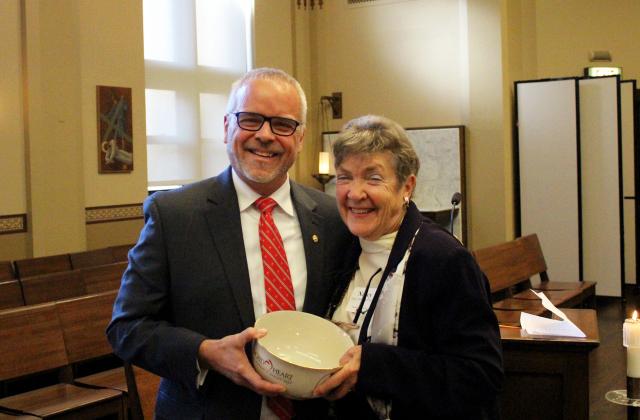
<point>417,305</point>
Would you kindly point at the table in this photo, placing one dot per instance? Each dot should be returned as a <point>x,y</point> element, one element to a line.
<point>548,377</point>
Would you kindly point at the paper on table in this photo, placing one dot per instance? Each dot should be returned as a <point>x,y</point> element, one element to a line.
<point>537,325</point>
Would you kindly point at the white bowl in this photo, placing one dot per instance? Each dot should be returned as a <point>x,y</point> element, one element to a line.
<point>299,351</point>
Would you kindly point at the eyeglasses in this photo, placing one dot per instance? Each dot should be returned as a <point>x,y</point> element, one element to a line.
<point>280,126</point>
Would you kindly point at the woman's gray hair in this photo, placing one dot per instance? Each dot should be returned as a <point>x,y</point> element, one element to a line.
<point>267,73</point>
<point>376,134</point>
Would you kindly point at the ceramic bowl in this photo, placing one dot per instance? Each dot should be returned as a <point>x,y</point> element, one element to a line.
<point>299,351</point>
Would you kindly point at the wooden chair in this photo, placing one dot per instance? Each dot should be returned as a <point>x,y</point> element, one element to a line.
<point>121,252</point>
<point>42,265</point>
<point>510,266</point>
<point>10,294</point>
<point>31,341</point>
<point>143,390</point>
<point>6,271</point>
<point>91,258</point>
<point>103,278</point>
<point>52,287</point>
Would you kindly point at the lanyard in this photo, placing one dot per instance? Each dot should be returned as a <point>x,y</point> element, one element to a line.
<point>367,319</point>
<point>364,297</point>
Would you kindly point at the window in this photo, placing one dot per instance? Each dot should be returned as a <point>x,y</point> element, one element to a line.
<point>193,50</point>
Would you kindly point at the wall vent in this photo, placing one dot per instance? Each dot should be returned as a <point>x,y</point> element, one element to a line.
<point>364,3</point>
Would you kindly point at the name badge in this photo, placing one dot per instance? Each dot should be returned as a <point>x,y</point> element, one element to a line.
<point>356,299</point>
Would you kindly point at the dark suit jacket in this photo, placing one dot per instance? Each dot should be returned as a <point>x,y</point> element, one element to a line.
<point>187,280</point>
<point>448,361</point>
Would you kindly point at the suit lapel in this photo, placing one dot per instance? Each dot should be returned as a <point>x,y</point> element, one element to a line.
<point>313,237</point>
<point>223,220</point>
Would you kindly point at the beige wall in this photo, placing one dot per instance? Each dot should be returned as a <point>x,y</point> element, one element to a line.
<point>55,199</point>
<point>566,31</point>
<point>50,144</point>
<point>448,62</point>
<point>112,54</point>
<point>488,177</point>
<point>441,66</point>
<point>101,235</point>
<point>14,246</point>
<point>12,194</point>
<point>412,71</point>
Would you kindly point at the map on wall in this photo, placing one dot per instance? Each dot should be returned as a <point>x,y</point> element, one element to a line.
<point>440,175</point>
<point>441,153</point>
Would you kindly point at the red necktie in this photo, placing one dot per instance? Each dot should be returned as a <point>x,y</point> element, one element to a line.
<point>277,279</point>
<point>277,283</point>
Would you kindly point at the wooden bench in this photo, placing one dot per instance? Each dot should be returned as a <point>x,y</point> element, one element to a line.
<point>91,258</point>
<point>51,287</point>
<point>121,252</point>
<point>103,278</point>
<point>6,271</point>
<point>42,265</point>
<point>510,267</point>
<point>31,341</point>
<point>10,294</point>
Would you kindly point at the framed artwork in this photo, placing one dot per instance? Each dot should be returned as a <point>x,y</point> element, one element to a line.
<point>441,174</point>
<point>115,138</point>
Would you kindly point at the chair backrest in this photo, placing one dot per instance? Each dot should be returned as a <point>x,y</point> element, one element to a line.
<point>121,252</point>
<point>30,341</point>
<point>84,321</point>
<point>103,278</point>
<point>91,258</point>
<point>42,265</point>
<point>10,294</point>
<point>6,271</point>
<point>510,263</point>
<point>143,389</point>
<point>51,287</point>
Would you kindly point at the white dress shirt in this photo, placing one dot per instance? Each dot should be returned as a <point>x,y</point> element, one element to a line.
<point>286,220</point>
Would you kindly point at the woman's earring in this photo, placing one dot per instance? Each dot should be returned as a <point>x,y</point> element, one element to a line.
<point>406,201</point>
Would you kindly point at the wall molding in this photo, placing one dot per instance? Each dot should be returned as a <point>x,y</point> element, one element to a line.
<point>117,213</point>
<point>13,223</point>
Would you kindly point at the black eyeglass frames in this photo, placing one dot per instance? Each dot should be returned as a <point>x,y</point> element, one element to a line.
<point>252,121</point>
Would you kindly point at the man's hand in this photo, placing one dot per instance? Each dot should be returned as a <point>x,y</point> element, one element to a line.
<point>227,356</point>
<point>344,380</point>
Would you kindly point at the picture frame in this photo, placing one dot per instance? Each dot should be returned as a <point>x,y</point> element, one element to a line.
<point>441,151</point>
<point>115,129</point>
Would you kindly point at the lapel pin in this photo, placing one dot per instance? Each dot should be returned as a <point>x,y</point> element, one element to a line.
<point>314,238</point>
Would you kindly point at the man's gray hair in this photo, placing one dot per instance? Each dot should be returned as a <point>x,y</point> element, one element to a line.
<point>376,134</point>
<point>267,73</point>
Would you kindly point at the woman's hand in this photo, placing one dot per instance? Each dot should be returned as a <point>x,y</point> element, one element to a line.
<point>344,380</point>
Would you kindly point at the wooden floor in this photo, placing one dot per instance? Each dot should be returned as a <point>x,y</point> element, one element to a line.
<point>607,366</point>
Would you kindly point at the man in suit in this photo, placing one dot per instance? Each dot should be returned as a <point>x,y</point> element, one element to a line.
<point>195,283</point>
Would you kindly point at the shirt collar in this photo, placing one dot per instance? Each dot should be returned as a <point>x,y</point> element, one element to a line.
<point>247,196</point>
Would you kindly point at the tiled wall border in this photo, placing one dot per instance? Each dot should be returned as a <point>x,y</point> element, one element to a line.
<point>13,223</point>
<point>17,223</point>
<point>117,213</point>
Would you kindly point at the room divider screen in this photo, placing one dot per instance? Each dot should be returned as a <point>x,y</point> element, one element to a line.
<point>568,162</point>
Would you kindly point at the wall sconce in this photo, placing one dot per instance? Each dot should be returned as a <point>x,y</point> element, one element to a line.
<point>335,101</point>
<point>323,176</point>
